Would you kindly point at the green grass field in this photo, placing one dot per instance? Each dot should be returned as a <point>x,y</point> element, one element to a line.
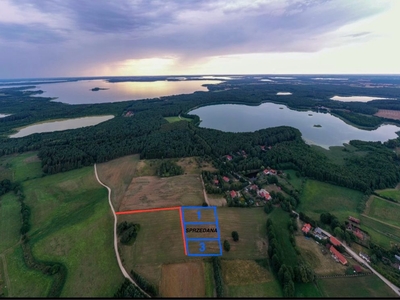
<point>72,223</point>
<point>319,197</point>
<point>390,193</point>
<point>384,210</point>
<point>177,119</point>
<point>20,167</point>
<point>364,286</point>
<point>296,182</point>
<point>209,279</point>
<point>10,221</point>
<point>280,220</point>
<point>267,289</point>
<point>337,155</point>
<point>25,282</point>
<point>307,290</point>
<point>380,233</point>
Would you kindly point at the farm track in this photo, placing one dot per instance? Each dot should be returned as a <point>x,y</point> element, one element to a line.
<point>3,258</point>
<point>204,191</point>
<point>123,271</point>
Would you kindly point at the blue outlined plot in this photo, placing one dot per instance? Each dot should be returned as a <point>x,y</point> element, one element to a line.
<point>201,231</point>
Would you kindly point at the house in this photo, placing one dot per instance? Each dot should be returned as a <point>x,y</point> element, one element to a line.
<point>233,194</point>
<point>228,157</point>
<point>334,241</point>
<point>262,148</point>
<point>306,228</point>
<point>318,230</point>
<point>272,172</point>
<point>266,171</point>
<point>358,234</point>
<point>226,179</point>
<point>263,193</point>
<point>364,256</point>
<point>254,187</point>
<point>216,181</point>
<point>354,220</point>
<point>338,255</point>
<point>397,257</point>
<point>357,269</point>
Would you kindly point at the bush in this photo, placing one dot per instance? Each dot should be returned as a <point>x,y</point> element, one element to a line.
<point>227,246</point>
<point>235,236</point>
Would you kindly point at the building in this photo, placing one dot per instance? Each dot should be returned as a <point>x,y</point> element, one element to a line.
<point>338,255</point>
<point>216,181</point>
<point>318,230</point>
<point>233,194</point>
<point>364,256</point>
<point>354,220</point>
<point>263,193</point>
<point>334,241</point>
<point>226,179</point>
<point>357,269</point>
<point>228,157</point>
<point>358,234</point>
<point>306,228</point>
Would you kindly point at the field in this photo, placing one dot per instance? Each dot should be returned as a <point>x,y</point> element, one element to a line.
<point>71,221</point>
<point>338,154</point>
<point>209,279</point>
<point>214,200</point>
<point>319,197</point>
<point>152,192</point>
<point>383,210</point>
<point>322,264</point>
<point>183,280</point>
<point>363,286</point>
<point>20,167</point>
<point>380,233</point>
<point>390,193</point>
<point>177,119</point>
<point>10,221</point>
<point>245,278</point>
<point>296,182</point>
<point>389,114</point>
<point>307,290</point>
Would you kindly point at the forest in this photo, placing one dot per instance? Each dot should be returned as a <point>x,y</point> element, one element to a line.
<point>148,133</point>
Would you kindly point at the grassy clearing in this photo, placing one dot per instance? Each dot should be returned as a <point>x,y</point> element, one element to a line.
<point>177,119</point>
<point>322,264</point>
<point>319,197</point>
<point>118,174</point>
<point>251,227</point>
<point>10,221</point>
<point>20,167</point>
<point>153,192</point>
<point>384,210</point>
<point>209,279</point>
<point>72,224</point>
<point>183,280</point>
<point>364,286</point>
<point>296,182</point>
<point>390,193</point>
<point>159,240</point>
<point>280,220</point>
<point>25,282</point>
<point>266,289</point>
<point>338,154</point>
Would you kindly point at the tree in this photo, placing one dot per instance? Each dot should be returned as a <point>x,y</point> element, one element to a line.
<point>227,246</point>
<point>235,236</point>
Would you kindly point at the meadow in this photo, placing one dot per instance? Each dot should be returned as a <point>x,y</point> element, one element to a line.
<point>318,197</point>
<point>361,287</point>
<point>20,167</point>
<point>390,193</point>
<point>384,211</point>
<point>177,119</point>
<point>71,220</point>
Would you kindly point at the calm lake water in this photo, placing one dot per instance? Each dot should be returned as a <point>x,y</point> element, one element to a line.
<point>79,92</point>
<point>357,98</point>
<point>243,118</point>
<point>60,125</point>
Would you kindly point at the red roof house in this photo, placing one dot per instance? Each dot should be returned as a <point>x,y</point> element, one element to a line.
<point>233,194</point>
<point>226,179</point>
<point>306,228</point>
<point>358,234</point>
<point>263,193</point>
<point>228,157</point>
<point>338,255</point>
<point>216,181</point>
<point>334,241</point>
<point>357,268</point>
<point>354,220</point>
<point>253,187</point>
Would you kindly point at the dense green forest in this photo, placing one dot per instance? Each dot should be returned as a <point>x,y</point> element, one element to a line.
<point>148,133</point>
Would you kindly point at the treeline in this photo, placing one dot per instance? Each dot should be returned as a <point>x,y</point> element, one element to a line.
<point>169,168</point>
<point>5,186</point>
<point>144,284</point>
<point>359,119</point>
<point>219,284</point>
<point>128,290</point>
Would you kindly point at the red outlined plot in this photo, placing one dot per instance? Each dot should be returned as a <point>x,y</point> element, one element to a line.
<point>128,212</point>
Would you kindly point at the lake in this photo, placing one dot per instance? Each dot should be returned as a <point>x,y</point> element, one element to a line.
<point>3,116</point>
<point>333,131</point>
<point>51,126</point>
<point>80,92</point>
<point>357,98</point>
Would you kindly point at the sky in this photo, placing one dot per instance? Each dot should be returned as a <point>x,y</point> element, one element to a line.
<point>63,38</point>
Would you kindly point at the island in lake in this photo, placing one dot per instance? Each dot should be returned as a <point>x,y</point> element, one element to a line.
<point>317,125</point>
<point>98,89</point>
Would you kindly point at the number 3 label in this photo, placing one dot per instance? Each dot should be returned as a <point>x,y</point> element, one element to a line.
<point>202,247</point>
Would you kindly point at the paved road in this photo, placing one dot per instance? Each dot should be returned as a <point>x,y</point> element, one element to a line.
<point>124,272</point>
<point>360,260</point>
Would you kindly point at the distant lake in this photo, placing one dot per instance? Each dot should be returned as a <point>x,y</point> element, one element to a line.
<point>333,131</point>
<point>357,98</point>
<point>80,92</point>
<point>60,125</point>
<point>2,116</point>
